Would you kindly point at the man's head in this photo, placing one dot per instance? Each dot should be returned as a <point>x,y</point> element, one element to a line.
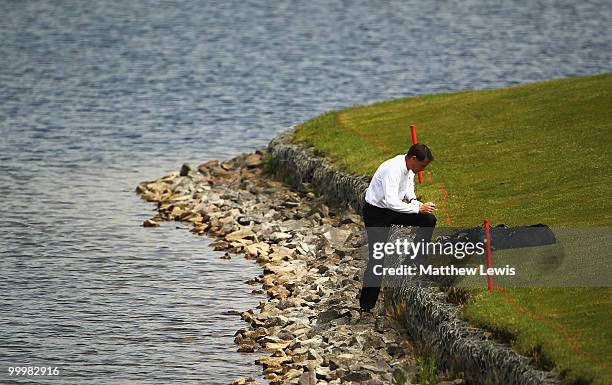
<point>418,157</point>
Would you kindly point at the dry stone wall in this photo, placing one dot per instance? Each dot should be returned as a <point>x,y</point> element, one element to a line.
<point>302,169</point>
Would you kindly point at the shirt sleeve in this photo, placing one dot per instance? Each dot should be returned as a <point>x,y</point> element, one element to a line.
<point>392,199</point>
<point>410,195</point>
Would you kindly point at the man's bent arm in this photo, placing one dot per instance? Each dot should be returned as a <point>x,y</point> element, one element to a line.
<point>393,202</point>
<point>410,195</point>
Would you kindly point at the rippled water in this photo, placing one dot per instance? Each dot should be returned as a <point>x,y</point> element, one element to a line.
<point>97,96</point>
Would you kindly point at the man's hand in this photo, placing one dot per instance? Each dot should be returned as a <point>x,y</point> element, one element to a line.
<point>427,208</point>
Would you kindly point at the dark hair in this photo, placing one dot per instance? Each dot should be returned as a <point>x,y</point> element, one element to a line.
<point>421,151</point>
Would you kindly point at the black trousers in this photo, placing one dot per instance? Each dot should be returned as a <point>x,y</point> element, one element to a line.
<point>378,223</point>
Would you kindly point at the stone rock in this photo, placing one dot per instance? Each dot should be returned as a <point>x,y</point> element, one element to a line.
<point>185,169</point>
<point>241,234</point>
<point>337,237</point>
<point>323,372</point>
<point>253,160</point>
<point>279,236</point>
<point>357,376</point>
<point>277,320</point>
<point>200,228</point>
<point>302,248</point>
<point>375,369</point>
<point>220,245</point>
<point>349,217</point>
<point>308,378</point>
<point>248,316</point>
<point>226,220</point>
<point>227,165</point>
<point>282,250</point>
<point>257,249</point>
<point>273,361</point>
<point>176,212</point>
<point>277,345</point>
<point>157,187</point>
<point>247,220</point>
<point>314,356</point>
<point>286,304</point>
<point>150,223</point>
<point>253,281</point>
<point>245,381</point>
<point>203,168</point>
<point>246,348</point>
<point>285,268</point>
<point>292,373</point>
<point>266,339</point>
<point>328,315</point>
<point>279,292</point>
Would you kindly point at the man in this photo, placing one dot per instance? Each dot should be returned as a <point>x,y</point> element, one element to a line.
<point>392,183</point>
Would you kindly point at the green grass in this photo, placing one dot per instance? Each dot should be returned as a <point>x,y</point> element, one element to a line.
<point>426,372</point>
<point>537,153</point>
<point>566,327</point>
<point>519,155</point>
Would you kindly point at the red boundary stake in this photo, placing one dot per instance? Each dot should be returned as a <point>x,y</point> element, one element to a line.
<point>414,141</point>
<point>488,249</point>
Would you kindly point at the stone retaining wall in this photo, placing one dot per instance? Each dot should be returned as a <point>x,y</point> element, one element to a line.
<point>299,167</point>
<point>430,320</point>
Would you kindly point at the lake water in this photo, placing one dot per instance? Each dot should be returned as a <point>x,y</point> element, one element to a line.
<point>97,96</point>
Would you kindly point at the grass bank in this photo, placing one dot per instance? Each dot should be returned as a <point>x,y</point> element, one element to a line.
<point>536,153</point>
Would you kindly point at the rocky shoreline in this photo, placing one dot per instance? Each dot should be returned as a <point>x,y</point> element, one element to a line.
<point>429,316</point>
<point>312,258</point>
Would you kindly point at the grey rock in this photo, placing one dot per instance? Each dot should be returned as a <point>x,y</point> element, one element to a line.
<point>349,217</point>
<point>308,378</point>
<point>246,348</point>
<point>323,373</point>
<point>185,169</point>
<point>150,223</point>
<point>279,236</point>
<point>313,355</point>
<point>357,376</point>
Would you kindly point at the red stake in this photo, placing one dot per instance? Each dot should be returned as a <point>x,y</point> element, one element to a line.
<point>489,258</point>
<point>414,141</point>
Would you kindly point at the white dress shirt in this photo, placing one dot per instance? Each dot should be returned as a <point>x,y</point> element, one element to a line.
<point>391,183</point>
